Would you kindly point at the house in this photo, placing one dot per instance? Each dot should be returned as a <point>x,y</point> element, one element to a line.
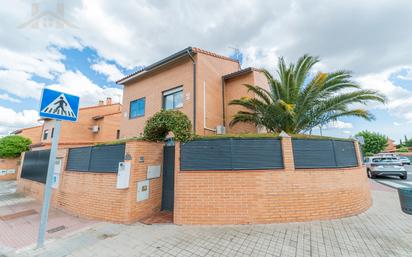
<point>390,147</point>
<point>33,133</point>
<point>99,123</point>
<point>197,82</point>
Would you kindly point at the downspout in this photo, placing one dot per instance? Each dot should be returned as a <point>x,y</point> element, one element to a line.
<point>204,109</point>
<point>194,90</point>
<point>223,102</point>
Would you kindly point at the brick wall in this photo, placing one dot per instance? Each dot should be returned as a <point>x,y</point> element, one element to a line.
<point>253,196</point>
<point>94,195</point>
<point>8,165</point>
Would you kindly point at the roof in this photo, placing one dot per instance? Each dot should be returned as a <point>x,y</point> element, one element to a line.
<point>183,53</point>
<point>18,131</point>
<point>239,72</point>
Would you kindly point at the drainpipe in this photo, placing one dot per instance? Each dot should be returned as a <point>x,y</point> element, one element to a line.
<point>194,90</point>
<point>204,109</point>
<point>223,102</point>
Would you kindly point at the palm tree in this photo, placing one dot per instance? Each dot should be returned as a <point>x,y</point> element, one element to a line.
<point>298,101</point>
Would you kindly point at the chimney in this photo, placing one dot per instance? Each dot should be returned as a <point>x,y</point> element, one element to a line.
<point>101,102</point>
<point>108,101</point>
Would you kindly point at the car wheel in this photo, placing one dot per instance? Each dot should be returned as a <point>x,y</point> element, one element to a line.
<point>368,171</point>
<point>403,177</point>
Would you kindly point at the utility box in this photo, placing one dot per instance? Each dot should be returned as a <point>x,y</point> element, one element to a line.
<point>153,171</point>
<point>143,190</point>
<point>123,175</point>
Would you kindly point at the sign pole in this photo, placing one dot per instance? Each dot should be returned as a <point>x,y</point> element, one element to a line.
<point>48,186</point>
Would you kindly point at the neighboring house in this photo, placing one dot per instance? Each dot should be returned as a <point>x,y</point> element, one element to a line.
<point>197,82</point>
<point>33,133</point>
<point>391,147</point>
<point>95,124</point>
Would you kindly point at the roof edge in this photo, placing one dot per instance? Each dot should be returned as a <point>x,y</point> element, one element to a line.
<point>240,72</point>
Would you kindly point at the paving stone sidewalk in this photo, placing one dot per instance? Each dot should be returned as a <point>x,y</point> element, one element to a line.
<point>20,216</point>
<point>381,231</point>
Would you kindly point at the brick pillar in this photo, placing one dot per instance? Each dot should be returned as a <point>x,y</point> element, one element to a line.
<point>287,150</point>
<point>358,153</point>
<point>176,210</point>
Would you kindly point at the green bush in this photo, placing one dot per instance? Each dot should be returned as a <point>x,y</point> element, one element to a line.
<point>374,142</point>
<point>13,146</point>
<point>163,122</point>
<point>402,149</point>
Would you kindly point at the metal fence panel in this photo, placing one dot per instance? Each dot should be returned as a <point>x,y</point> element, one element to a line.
<point>345,154</point>
<point>231,154</point>
<point>256,154</point>
<point>103,158</point>
<point>106,158</point>
<point>79,158</point>
<point>35,165</point>
<point>206,155</point>
<point>323,153</point>
<point>313,153</point>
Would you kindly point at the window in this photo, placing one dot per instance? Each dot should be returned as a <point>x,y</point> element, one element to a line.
<point>173,99</point>
<point>118,134</point>
<point>45,134</point>
<point>52,133</point>
<point>137,108</point>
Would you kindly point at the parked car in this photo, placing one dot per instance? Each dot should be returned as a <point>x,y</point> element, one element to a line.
<point>385,166</point>
<point>405,160</point>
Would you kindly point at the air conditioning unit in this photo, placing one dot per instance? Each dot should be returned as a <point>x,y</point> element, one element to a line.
<point>95,128</point>
<point>220,130</point>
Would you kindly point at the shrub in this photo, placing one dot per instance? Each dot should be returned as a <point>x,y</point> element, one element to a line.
<point>374,142</point>
<point>163,122</point>
<point>402,149</point>
<point>13,146</point>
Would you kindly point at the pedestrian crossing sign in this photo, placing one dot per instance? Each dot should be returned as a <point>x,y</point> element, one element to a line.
<point>58,105</point>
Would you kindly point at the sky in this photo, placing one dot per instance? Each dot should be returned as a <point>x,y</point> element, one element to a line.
<point>85,46</point>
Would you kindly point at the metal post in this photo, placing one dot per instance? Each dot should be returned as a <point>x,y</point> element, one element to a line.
<point>48,186</point>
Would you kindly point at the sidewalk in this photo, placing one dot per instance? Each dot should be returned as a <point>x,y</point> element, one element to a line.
<point>20,216</point>
<point>381,231</point>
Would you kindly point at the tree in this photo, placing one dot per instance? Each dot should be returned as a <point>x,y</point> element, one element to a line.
<point>374,142</point>
<point>13,146</point>
<point>298,101</point>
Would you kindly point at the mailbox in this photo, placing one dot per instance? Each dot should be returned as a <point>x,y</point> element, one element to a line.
<point>123,175</point>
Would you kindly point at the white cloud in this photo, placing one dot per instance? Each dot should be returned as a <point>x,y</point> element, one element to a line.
<point>397,124</point>
<point>19,83</point>
<point>407,76</point>
<point>76,83</point>
<point>11,120</point>
<point>339,125</point>
<point>7,97</point>
<point>110,70</point>
<point>399,99</point>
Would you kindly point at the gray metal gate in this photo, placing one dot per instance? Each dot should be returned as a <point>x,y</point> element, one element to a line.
<point>168,178</point>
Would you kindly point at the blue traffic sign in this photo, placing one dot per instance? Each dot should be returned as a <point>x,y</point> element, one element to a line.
<point>58,105</point>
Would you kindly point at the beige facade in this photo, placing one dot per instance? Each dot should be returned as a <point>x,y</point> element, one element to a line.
<point>95,124</point>
<point>206,91</point>
<point>33,133</point>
